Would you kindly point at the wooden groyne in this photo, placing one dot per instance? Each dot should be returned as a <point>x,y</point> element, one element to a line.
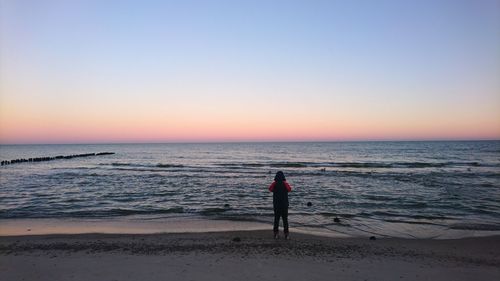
<point>50,158</point>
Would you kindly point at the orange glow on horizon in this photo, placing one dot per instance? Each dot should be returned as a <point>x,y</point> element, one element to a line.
<point>208,130</point>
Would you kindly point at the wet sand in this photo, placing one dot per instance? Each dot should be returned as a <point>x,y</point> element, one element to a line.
<point>244,255</point>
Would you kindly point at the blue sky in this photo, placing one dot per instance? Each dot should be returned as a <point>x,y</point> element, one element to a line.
<point>344,69</point>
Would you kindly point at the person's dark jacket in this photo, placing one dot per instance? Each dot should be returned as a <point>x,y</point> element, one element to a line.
<point>280,191</point>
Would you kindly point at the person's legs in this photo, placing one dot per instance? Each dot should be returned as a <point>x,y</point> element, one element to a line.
<point>284,214</point>
<point>276,220</point>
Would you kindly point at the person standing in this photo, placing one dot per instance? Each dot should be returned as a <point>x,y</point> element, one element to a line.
<point>280,189</point>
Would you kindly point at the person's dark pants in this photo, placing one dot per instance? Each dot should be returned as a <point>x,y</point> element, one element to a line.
<point>283,213</point>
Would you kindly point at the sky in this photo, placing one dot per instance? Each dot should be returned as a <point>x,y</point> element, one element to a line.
<point>195,71</point>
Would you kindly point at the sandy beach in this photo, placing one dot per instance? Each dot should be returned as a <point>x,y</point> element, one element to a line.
<point>244,255</point>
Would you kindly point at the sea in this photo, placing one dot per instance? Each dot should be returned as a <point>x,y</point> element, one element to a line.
<point>414,189</point>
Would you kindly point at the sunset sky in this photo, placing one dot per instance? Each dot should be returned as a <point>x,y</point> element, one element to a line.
<point>175,71</point>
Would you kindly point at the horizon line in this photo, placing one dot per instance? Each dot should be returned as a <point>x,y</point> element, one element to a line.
<point>248,141</point>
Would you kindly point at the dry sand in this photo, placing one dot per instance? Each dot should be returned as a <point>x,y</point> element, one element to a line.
<point>244,255</point>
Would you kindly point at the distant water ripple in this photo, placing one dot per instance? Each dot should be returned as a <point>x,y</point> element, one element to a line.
<point>389,188</point>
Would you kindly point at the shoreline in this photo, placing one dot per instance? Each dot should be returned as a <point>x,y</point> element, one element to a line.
<point>244,255</point>
<point>139,224</point>
<point>121,225</point>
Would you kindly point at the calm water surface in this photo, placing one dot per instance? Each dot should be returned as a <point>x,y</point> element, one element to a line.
<point>405,189</point>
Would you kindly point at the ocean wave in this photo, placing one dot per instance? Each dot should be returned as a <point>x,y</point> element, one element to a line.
<point>138,165</point>
<point>20,213</point>
<point>413,222</point>
<point>380,197</point>
<point>169,165</point>
<point>475,226</point>
<point>121,211</point>
<point>388,215</point>
<point>351,164</point>
<point>213,211</point>
<point>401,164</point>
<point>241,166</point>
<point>342,215</point>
